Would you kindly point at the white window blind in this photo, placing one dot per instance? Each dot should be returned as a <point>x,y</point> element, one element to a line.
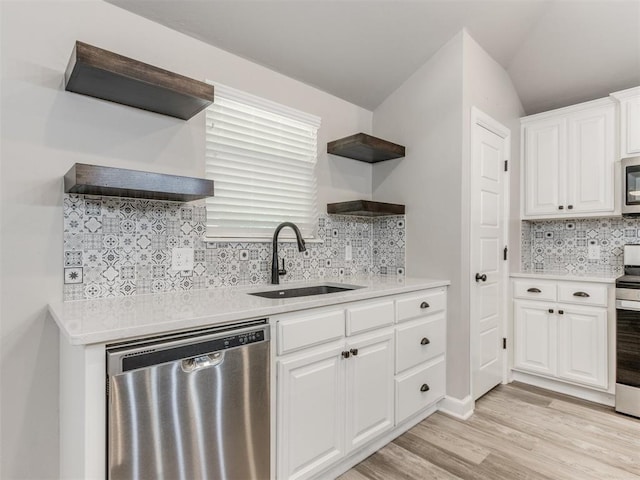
<point>262,158</point>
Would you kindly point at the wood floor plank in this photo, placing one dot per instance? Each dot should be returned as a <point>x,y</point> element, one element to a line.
<point>591,451</point>
<point>567,430</point>
<point>395,463</point>
<point>518,432</point>
<point>440,434</point>
<point>353,474</point>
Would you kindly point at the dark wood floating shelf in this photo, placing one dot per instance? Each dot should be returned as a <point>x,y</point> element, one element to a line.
<point>106,75</point>
<point>119,182</point>
<point>365,208</point>
<point>365,148</point>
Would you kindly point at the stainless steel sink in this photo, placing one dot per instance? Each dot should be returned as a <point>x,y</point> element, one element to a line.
<point>305,291</point>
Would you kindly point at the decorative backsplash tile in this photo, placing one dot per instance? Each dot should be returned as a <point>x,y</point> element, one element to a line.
<point>563,245</point>
<point>119,246</point>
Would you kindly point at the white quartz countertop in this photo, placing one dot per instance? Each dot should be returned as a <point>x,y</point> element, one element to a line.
<point>107,320</point>
<point>596,278</point>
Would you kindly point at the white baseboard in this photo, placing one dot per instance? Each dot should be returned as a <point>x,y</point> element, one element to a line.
<point>584,393</point>
<point>457,408</point>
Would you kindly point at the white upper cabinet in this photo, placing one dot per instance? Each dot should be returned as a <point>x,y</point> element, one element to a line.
<point>569,158</point>
<point>629,121</point>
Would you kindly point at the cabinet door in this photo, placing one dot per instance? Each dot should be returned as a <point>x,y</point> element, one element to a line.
<point>535,337</point>
<point>310,429</point>
<point>544,157</point>
<point>591,157</point>
<point>630,125</point>
<point>369,388</point>
<point>582,345</point>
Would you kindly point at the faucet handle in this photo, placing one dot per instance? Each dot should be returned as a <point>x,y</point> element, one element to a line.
<point>282,271</point>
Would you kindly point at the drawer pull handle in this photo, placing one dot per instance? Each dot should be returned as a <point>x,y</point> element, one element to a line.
<point>424,387</point>
<point>425,341</point>
<point>424,305</point>
<point>346,354</point>
<point>354,351</point>
<point>551,310</point>
<point>561,312</point>
<point>534,290</point>
<point>581,294</point>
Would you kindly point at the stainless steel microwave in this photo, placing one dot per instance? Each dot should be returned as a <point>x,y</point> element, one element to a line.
<point>631,187</point>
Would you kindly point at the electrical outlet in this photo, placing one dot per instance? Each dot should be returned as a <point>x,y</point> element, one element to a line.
<point>348,252</point>
<point>593,251</point>
<point>182,259</point>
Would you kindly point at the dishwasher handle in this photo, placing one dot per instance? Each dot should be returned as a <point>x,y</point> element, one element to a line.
<point>189,365</point>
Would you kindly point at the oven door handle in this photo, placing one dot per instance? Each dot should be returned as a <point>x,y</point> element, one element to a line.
<point>627,305</point>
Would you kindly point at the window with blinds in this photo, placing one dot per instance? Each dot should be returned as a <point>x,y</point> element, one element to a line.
<point>262,158</point>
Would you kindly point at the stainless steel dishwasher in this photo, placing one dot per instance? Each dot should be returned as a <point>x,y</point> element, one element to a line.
<point>190,406</point>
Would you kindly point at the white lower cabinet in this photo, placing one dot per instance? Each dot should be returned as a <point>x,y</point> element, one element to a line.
<point>561,340</point>
<point>311,412</point>
<point>582,345</point>
<point>332,401</point>
<point>369,388</point>
<point>335,399</point>
<point>535,338</point>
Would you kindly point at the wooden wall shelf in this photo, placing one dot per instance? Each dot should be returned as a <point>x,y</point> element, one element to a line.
<point>365,208</point>
<point>365,148</point>
<point>106,75</point>
<point>119,182</point>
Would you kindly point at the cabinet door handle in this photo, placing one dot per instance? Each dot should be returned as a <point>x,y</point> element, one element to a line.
<point>424,387</point>
<point>425,341</point>
<point>581,294</point>
<point>560,207</point>
<point>561,312</point>
<point>354,351</point>
<point>534,290</point>
<point>482,277</point>
<point>570,207</point>
<point>551,310</point>
<point>346,354</point>
<point>424,305</point>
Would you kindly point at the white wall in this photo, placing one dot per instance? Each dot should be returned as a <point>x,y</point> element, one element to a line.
<point>430,115</point>
<point>425,115</point>
<point>45,130</point>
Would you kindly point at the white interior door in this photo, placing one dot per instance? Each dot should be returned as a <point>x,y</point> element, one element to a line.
<point>489,191</point>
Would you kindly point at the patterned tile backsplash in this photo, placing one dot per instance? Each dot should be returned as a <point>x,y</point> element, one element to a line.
<point>119,246</point>
<point>563,245</point>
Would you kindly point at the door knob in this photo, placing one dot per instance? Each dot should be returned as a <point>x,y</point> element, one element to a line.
<point>346,354</point>
<point>354,352</point>
<point>482,277</point>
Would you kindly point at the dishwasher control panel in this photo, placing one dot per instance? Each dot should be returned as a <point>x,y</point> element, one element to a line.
<point>243,339</point>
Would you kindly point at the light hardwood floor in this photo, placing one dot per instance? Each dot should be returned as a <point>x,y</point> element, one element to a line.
<point>517,432</point>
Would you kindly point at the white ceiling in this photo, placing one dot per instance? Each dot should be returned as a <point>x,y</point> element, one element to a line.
<point>557,52</point>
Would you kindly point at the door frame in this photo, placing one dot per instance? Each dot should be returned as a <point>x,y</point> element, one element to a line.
<point>481,119</point>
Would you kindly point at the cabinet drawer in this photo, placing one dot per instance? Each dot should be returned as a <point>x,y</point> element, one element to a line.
<point>417,342</point>
<point>583,293</point>
<point>369,316</point>
<point>306,330</point>
<point>422,303</point>
<point>535,289</point>
<point>410,398</point>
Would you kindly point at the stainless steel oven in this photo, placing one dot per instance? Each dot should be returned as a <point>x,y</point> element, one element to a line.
<point>628,334</point>
<point>631,186</point>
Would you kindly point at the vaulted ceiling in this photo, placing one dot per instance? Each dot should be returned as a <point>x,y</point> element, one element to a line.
<point>557,52</point>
